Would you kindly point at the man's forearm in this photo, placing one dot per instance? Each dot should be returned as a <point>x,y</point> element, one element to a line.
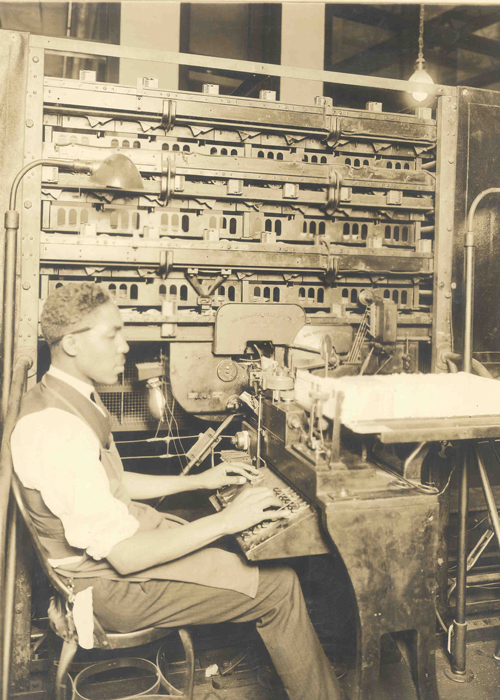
<point>145,486</point>
<point>147,549</point>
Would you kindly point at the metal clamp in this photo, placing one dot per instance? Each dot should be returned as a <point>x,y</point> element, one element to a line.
<point>335,183</point>
<point>167,176</point>
<point>169,112</point>
<point>335,132</point>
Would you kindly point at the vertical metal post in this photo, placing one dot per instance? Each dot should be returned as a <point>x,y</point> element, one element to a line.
<point>11,229</point>
<point>7,526</point>
<point>459,624</point>
<point>10,592</point>
<point>469,301</point>
<point>446,157</point>
<point>458,671</point>
<point>30,208</point>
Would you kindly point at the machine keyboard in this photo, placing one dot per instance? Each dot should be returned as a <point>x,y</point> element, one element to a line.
<point>297,534</point>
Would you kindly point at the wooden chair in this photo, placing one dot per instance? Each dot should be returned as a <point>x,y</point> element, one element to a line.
<point>64,595</point>
<point>102,639</point>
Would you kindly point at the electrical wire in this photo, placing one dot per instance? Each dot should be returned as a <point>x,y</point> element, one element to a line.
<point>165,456</point>
<point>447,483</point>
<point>166,438</point>
<point>360,336</point>
<point>477,524</point>
<point>408,483</point>
<point>383,365</point>
<point>441,621</point>
<point>177,430</point>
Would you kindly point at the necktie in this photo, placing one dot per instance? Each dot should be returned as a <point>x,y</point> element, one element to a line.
<point>97,400</point>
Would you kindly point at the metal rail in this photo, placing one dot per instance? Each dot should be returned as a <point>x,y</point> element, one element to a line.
<point>90,48</point>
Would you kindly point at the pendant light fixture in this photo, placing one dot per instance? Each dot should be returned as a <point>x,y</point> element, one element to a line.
<point>421,75</point>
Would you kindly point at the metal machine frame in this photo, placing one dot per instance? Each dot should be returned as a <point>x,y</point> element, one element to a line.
<point>158,255</point>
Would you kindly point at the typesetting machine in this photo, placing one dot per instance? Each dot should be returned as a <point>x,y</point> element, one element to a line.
<point>267,241</point>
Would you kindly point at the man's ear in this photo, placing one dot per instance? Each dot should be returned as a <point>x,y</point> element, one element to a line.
<point>69,345</point>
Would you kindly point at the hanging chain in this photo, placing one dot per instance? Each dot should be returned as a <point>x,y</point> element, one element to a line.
<point>420,58</point>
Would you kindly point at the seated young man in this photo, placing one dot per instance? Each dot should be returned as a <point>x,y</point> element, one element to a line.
<point>145,568</point>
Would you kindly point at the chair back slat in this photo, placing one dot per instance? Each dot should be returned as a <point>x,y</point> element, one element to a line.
<point>54,578</point>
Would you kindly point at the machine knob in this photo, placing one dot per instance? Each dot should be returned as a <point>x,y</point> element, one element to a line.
<point>241,440</point>
<point>227,371</point>
<point>294,422</point>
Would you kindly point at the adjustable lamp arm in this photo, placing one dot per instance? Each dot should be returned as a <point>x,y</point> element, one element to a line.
<point>117,172</point>
<point>11,229</point>
<point>76,166</point>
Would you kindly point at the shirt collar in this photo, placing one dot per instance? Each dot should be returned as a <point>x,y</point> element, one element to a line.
<point>82,387</point>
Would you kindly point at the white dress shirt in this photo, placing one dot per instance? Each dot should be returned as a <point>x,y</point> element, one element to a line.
<point>56,453</point>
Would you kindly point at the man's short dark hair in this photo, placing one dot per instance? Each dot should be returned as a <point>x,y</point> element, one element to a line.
<point>66,308</point>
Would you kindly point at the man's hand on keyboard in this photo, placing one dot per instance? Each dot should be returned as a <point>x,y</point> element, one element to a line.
<point>251,507</point>
<point>226,474</point>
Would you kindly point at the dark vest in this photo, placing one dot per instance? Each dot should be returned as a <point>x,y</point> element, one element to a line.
<point>209,566</point>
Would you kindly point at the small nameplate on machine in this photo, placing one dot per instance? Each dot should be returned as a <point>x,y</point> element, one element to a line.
<point>298,534</point>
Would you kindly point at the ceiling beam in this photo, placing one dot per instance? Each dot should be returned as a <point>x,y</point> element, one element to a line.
<point>371,59</point>
<point>451,40</point>
<point>367,14</point>
<point>251,83</point>
<point>474,22</point>
<point>378,56</point>
<point>483,79</point>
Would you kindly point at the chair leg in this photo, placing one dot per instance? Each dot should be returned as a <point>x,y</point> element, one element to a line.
<point>496,655</point>
<point>187,643</point>
<point>68,651</point>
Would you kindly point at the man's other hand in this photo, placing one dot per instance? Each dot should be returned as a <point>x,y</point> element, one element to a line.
<point>226,474</point>
<point>251,507</point>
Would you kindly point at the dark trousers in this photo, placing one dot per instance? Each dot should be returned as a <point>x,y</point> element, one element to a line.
<point>278,609</point>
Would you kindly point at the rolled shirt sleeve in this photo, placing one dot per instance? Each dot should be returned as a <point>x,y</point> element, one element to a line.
<point>56,453</point>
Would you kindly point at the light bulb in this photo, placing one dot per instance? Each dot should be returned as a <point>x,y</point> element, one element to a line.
<point>157,401</point>
<point>421,76</point>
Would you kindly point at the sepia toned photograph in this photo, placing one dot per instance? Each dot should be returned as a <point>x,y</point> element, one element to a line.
<point>249,350</point>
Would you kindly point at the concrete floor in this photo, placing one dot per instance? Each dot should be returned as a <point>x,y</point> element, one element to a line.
<point>396,683</point>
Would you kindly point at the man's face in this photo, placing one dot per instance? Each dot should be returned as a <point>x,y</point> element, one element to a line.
<point>100,351</point>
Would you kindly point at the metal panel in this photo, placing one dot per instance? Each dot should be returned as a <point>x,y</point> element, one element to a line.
<point>308,205</point>
<point>478,169</point>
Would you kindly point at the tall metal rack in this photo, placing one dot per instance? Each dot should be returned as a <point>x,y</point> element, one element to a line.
<point>304,204</point>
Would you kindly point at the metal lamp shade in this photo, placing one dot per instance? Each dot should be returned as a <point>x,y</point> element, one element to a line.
<point>119,172</point>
